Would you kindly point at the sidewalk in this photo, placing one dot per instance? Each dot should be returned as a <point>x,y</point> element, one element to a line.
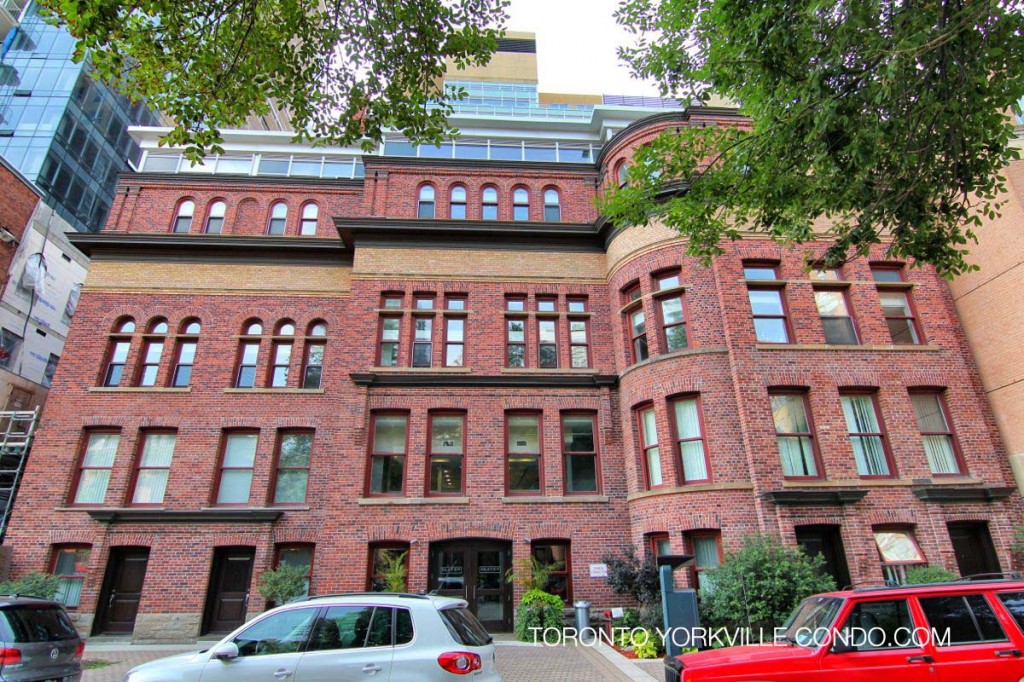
<point>517,662</point>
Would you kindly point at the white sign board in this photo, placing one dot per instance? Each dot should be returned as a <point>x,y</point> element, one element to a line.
<point>598,570</point>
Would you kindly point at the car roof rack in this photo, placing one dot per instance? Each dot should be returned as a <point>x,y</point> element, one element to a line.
<point>974,578</point>
<point>19,595</point>
<point>403,595</point>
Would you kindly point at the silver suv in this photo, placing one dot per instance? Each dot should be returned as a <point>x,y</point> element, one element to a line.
<point>342,638</point>
<point>38,641</point>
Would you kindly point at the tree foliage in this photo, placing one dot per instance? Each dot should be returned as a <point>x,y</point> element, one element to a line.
<point>537,615</point>
<point>344,70</point>
<point>923,575</point>
<point>891,119</point>
<point>759,585</point>
<point>42,585</point>
<point>283,584</point>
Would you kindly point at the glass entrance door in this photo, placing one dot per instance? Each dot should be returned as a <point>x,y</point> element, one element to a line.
<point>474,570</point>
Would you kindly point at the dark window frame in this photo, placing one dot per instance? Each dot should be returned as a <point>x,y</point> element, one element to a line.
<point>209,227</point>
<point>539,455</point>
<point>80,467</point>
<point>844,293</point>
<point>518,206</point>
<point>564,571</point>
<point>595,453</point>
<point>664,327</point>
<point>381,342</point>
<point>137,467</point>
<point>702,533</point>
<point>385,546</point>
<point>55,552</point>
<point>219,483</point>
<point>305,221</point>
<point>176,221</point>
<point>425,206</point>
<point>882,433</point>
<point>449,344</point>
<point>541,344</point>
<point>552,210</point>
<point>804,396</point>
<point>639,411</point>
<point>277,468</point>
<point>523,319</point>
<point>427,488</point>
<point>456,206</point>
<point>277,225</point>
<point>585,345</point>
<point>677,441</point>
<point>940,396</point>
<point>486,206</point>
<point>372,453</point>
<point>414,341</point>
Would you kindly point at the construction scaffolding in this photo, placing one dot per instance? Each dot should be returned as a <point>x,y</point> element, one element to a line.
<point>16,432</point>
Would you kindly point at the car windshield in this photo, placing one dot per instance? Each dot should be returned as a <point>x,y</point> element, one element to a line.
<point>810,623</point>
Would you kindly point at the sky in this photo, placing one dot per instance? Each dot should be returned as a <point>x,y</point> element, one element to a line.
<point>576,42</point>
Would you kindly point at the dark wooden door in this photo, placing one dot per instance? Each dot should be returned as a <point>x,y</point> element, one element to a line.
<point>972,546</point>
<point>228,595</point>
<point>119,601</point>
<point>826,541</point>
<point>475,571</point>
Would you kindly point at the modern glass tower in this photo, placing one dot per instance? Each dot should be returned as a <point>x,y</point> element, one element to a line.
<point>63,130</point>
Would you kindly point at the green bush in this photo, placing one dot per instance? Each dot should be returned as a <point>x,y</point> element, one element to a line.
<point>645,646</point>
<point>283,584</point>
<point>541,610</point>
<point>920,575</point>
<point>759,585</point>
<point>41,585</point>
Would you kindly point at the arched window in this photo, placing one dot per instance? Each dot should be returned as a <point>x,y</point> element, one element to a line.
<point>281,354</point>
<point>215,219</point>
<point>313,366</point>
<point>425,207</point>
<point>183,219</point>
<point>622,174</point>
<point>489,204</point>
<point>117,352</point>
<point>520,204</point>
<point>458,203</point>
<point>278,218</point>
<point>152,352</point>
<point>185,356</point>
<point>552,206</point>
<point>248,354</point>
<point>310,216</point>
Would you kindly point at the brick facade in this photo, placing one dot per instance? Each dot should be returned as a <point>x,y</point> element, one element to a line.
<point>147,274</point>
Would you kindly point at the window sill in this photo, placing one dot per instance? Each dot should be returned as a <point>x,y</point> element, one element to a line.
<point>851,483</point>
<point>139,389</point>
<point>377,501</point>
<point>424,370</point>
<point>310,391</point>
<point>546,499</point>
<point>845,348</point>
<point>684,489</point>
<point>547,370</point>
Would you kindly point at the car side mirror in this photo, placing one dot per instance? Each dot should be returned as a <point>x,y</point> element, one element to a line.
<point>841,647</point>
<point>225,652</point>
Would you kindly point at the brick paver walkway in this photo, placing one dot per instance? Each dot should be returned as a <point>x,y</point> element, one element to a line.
<point>517,663</point>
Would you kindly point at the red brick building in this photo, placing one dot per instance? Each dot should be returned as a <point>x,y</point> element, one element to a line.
<point>449,353</point>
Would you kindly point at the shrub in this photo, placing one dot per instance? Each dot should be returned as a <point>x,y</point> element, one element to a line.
<point>42,585</point>
<point>394,570</point>
<point>283,584</point>
<point>538,610</point>
<point>759,585</point>
<point>637,577</point>
<point>645,644</point>
<point>920,575</point>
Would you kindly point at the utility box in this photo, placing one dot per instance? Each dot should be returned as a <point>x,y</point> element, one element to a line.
<point>679,607</point>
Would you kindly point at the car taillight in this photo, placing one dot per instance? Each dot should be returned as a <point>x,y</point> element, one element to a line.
<point>80,650</point>
<point>9,656</point>
<point>459,662</point>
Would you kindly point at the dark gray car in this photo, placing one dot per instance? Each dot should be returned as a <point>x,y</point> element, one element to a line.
<point>38,643</point>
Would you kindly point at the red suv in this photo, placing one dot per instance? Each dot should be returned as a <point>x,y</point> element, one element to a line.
<point>950,632</point>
